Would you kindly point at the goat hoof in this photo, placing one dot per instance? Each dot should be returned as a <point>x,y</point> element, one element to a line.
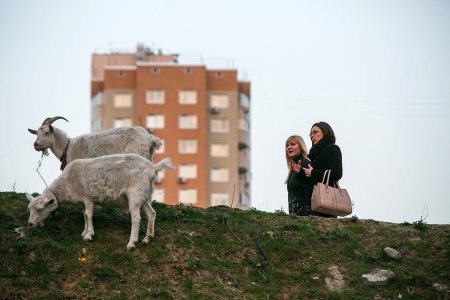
<point>145,240</point>
<point>87,238</point>
<point>131,246</point>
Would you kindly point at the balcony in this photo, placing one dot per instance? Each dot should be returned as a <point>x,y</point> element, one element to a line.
<point>244,201</point>
<point>244,139</point>
<point>244,103</point>
<point>244,163</point>
<point>244,186</point>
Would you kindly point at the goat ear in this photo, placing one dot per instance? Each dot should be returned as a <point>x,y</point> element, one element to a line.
<point>29,197</point>
<point>32,131</point>
<point>49,202</point>
<point>51,128</point>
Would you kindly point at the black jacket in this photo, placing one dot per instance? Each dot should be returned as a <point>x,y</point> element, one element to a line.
<point>299,192</point>
<point>325,155</point>
<point>297,184</point>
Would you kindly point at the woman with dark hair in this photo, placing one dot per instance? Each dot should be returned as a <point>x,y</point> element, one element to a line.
<point>324,155</point>
<point>298,185</point>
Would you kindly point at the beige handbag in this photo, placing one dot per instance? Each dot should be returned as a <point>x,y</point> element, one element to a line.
<point>330,200</point>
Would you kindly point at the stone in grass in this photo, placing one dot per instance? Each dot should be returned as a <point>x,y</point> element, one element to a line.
<point>440,287</point>
<point>392,253</point>
<point>378,276</point>
<point>336,282</point>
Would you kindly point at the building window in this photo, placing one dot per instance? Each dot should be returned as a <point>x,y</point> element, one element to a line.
<point>120,122</point>
<point>97,124</point>
<point>96,100</point>
<point>122,100</point>
<point>155,97</point>
<point>188,71</point>
<point>245,199</point>
<point>187,97</point>
<point>244,124</point>
<point>245,177</point>
<point>220,125</point>
<point>220,101</point>
<point>220,150</point>
<point>187,196</point>
<point>187,171</point>
<point>155,121</point>
<point>219,175</point>
<point>187,122</point>
<point>162,149</point>
<point>121,74</point>
<point>158,195</point>
<point>219,75</point>
<point>187,146</point>
<point>219,199</point>
<point>245,102</point>
<point>160,175</point>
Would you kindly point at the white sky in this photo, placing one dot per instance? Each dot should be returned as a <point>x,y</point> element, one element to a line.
<point>377,70</point>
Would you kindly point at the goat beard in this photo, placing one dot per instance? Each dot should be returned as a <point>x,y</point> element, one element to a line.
<point>44,152</point>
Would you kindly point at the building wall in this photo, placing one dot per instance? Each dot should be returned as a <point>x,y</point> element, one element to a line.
<point>172,80</point>
<point>101,61</point>
<point>224,82</point>
<point>128,78</point>
<point>230,138</point>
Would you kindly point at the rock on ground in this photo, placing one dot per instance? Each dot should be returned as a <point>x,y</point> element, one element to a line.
<point>392,253</point>
<point>336,283</point>
<point>378,276</point>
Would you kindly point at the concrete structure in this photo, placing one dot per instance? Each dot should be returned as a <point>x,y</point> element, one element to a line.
<point>202,116</point>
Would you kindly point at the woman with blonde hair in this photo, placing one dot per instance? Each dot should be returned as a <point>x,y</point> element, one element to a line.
<point>298,185</point>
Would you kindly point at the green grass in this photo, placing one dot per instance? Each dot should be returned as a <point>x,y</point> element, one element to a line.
<point>217,253</point>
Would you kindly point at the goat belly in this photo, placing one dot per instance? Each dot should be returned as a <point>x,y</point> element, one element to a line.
<point>120,202</point>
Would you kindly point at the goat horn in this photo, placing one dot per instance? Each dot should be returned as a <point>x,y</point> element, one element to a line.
<point>50,121</point>
<point>45,121</point>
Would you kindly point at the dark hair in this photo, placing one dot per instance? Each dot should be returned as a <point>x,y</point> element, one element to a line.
<point>326,129</point>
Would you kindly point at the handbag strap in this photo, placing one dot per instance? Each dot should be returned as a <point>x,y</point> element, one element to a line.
<point>336,184</point>
<point>327,176</point>
<point>324,176</point>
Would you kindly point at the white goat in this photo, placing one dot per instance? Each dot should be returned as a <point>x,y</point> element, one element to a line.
<point>121,180</point>
<point>129,139</point>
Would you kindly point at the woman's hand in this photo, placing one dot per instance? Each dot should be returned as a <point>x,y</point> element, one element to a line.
<point>308,170</point>
<point>296,167</point>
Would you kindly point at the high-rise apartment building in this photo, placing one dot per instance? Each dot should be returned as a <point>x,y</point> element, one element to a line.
<point>202,116</point>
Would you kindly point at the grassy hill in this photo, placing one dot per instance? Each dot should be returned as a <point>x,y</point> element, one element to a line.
<point>219,253</point>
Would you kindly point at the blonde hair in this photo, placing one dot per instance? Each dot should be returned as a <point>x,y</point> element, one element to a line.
<point>303,151</point>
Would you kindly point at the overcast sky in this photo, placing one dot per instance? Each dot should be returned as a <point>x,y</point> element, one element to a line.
<point>378,71</point>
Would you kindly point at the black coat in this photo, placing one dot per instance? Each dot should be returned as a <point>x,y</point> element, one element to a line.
<point>325,155</point>
<point>299,192</point>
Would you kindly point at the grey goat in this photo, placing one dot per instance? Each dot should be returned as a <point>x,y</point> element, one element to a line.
<point>129,139</point>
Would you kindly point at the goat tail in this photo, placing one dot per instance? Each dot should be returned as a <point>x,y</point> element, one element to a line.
<point>165,163</point>
<point>155,144</point>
